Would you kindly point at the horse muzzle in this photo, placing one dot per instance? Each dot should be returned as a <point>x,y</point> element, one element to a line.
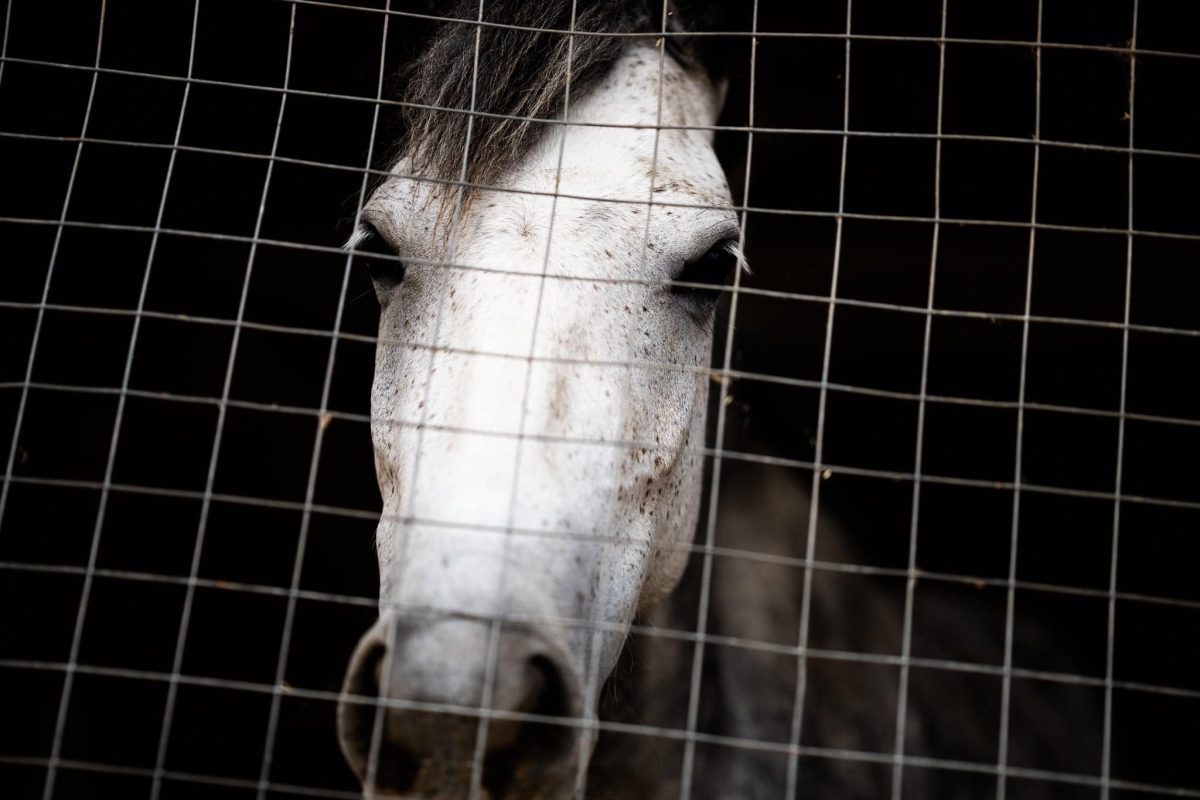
<point>414,719</point>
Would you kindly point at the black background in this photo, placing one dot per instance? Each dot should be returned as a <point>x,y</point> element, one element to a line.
<point>147,535</point>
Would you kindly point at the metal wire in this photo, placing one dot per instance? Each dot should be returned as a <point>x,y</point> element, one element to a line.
<point>797,727</point>
<point>913,529</point>
<point>492,656</point>
<point>1110,645</point>
<point>323,417</point>
<point>710,527</point>
<point>61,717</point>
<point>819,467</point>
<point>975,581</point>
<point>1009,613</point>
<point>628,728</point>
<point>590,625</point>
<point>749,457</point>
<point>222,408</point>
<point>756,33</point>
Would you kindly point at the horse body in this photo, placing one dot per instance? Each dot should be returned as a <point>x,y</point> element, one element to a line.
<point>538,417</point>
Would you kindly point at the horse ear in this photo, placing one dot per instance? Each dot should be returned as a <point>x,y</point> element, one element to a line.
<point>713,15</point>
<point>721,56</point>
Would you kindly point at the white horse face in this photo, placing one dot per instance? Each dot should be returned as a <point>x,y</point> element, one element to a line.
<point>538,418</point>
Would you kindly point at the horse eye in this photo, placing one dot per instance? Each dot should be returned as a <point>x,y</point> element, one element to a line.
<point>384,266</point>
<point>700,282</point>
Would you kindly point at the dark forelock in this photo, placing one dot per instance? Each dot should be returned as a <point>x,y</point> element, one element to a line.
<point>524,69</point>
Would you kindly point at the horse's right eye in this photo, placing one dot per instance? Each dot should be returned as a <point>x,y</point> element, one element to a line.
<point>382,263</point>
<point>699,284</point>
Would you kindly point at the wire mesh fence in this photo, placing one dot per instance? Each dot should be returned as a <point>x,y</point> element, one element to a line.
<point>962,370</point>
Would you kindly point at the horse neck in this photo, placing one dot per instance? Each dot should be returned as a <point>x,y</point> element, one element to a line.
<point>649,687</point>
<point>747,692</point>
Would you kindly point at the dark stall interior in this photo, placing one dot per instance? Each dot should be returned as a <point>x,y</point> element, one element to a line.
<point>1057,322</point>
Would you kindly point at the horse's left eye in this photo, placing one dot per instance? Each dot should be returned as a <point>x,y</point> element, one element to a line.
<point>385,267</point>
<point>701,280</point>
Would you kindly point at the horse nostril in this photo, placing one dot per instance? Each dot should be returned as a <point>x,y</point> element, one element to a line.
<point>552,699</point>
<point>396,769</point>
<point>362,725</point>
<point>516,742</point>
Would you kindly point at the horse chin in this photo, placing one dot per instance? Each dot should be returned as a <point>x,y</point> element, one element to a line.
<point>449,778</point>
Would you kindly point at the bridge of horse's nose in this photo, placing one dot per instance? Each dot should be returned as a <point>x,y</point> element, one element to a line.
<point>431,678</point>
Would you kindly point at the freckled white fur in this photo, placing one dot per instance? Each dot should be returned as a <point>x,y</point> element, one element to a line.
<point>444,542</point>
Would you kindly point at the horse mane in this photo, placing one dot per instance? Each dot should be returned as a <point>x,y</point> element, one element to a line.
<point>527,64</point>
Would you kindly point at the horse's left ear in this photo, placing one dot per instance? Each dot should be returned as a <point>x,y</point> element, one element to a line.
<point>720,56</point>
<point>712,15</point>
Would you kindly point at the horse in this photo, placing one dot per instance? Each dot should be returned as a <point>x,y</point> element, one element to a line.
<point>549,250</point>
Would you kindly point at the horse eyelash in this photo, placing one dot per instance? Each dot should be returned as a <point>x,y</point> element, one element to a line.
<point>361,232</point>
<point>733,246</point>
<point>383,263</point>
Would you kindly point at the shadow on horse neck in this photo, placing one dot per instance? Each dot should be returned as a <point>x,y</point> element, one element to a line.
<point>750,669</point>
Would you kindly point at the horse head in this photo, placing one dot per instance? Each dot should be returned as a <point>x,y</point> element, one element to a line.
<point>540,392</point>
